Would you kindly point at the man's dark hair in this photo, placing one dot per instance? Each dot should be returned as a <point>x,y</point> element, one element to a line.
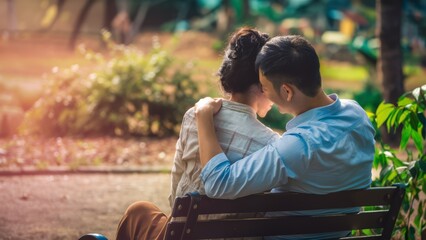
<point>290,59</point>
<point>237,72</point>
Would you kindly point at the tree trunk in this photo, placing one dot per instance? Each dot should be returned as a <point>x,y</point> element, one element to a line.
<point>110,12</point>
<point>389,64</point>
<point>79,22</point>
<point>11,17</point>
<point>225,17</point>
<point>246,10</point>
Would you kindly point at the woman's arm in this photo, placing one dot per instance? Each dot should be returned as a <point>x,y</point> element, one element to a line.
<point>207,139</point>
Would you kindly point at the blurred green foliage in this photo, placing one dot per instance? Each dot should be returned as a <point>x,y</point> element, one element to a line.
<point>218,46</point>
<point>276,120</point>
<point>369,98</point>
<point>128,94</point>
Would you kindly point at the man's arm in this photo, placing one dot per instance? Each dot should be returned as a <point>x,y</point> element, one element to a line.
<point>267,168</point>
<point>256,173</point>
<point>207,139</point>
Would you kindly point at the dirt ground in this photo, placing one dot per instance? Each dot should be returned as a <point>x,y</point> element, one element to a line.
<point>18,153</point>
<point>68,206</point>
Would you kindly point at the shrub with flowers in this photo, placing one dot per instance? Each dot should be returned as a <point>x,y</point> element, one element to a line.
<point>126,93</point>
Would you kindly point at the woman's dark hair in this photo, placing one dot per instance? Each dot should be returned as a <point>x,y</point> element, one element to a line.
<point>237,72</point>
<point>290,59</point>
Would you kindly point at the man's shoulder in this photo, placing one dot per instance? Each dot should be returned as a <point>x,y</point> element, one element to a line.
<point>354,115</point>
<point>352,105</point>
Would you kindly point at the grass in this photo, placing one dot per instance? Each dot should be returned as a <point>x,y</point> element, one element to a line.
<point>343,72</point>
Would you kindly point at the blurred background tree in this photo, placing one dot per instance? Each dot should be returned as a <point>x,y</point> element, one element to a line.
<point>389,64</point>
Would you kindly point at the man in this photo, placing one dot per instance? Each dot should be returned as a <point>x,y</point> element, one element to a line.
<point>328,145</point>
<point>239,132</point>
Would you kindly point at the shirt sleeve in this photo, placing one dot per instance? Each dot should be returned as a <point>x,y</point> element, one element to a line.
<point>258,172</point>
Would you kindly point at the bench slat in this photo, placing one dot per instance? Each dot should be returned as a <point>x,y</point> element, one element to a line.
<point>286,225</point>
<point>270,202</point>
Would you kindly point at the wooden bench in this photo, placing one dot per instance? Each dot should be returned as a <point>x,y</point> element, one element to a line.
<point>387,199</point>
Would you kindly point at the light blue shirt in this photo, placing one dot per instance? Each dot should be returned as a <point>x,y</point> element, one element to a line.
<point>324,150</point>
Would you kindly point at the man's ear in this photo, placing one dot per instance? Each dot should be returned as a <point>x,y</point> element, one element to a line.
<point>286,92</point>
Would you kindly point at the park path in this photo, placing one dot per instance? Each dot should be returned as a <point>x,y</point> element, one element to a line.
<point>67,206</point>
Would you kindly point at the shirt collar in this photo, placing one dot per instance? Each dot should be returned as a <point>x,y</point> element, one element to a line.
<point>314,113</point>
<point>239,107</point>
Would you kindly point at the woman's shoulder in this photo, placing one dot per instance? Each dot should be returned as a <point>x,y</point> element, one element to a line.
<point>189,114</point>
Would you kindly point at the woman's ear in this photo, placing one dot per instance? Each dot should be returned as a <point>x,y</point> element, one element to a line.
<point>286,92</point>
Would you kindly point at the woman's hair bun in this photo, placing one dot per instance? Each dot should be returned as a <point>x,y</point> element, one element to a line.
<point>237,71</point>
<point>246,42</point>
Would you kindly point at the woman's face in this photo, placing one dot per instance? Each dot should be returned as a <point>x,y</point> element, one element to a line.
<point>263,105</point>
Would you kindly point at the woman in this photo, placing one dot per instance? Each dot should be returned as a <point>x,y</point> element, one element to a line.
<point>239,132</point>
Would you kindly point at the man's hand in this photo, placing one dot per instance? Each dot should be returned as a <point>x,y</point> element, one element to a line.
<point>208,105</point>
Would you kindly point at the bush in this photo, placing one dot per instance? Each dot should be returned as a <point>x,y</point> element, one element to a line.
<point>369,98</point>
<point>128,94</point>
<point>408,115</point>
<point>276,120</point>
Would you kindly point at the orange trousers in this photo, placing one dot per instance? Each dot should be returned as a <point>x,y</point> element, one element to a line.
<point>142,221</point>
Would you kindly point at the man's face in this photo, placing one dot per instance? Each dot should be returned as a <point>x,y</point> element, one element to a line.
<point>269,91</point>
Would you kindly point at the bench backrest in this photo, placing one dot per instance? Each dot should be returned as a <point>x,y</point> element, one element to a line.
<point>388,199</point>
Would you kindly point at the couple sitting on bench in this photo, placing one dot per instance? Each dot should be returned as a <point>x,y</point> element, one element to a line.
<point>224,152</point>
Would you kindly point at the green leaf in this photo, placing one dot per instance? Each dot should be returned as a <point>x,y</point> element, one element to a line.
<point>411,233</point>
<point>383,112</point>
<point>395,118</point>
<point>418,140</point>
<point>422,164</point>
<point>404,101</point>
<point>414,121</point>
<point>392,175</point>
<point>424,185</point>
<point>367,232</point>
<point>405,136</point>
<point>376,160</point>
<point>403,175</point>
<point>384,173</point>
<point>397,162</point>
<point>412,107</point>
<point>405,206</point>
<point>389,122</point>
<point>413,170</point>
<point>380,159</point>
<point>403,116</point>
<point>419,216</point>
